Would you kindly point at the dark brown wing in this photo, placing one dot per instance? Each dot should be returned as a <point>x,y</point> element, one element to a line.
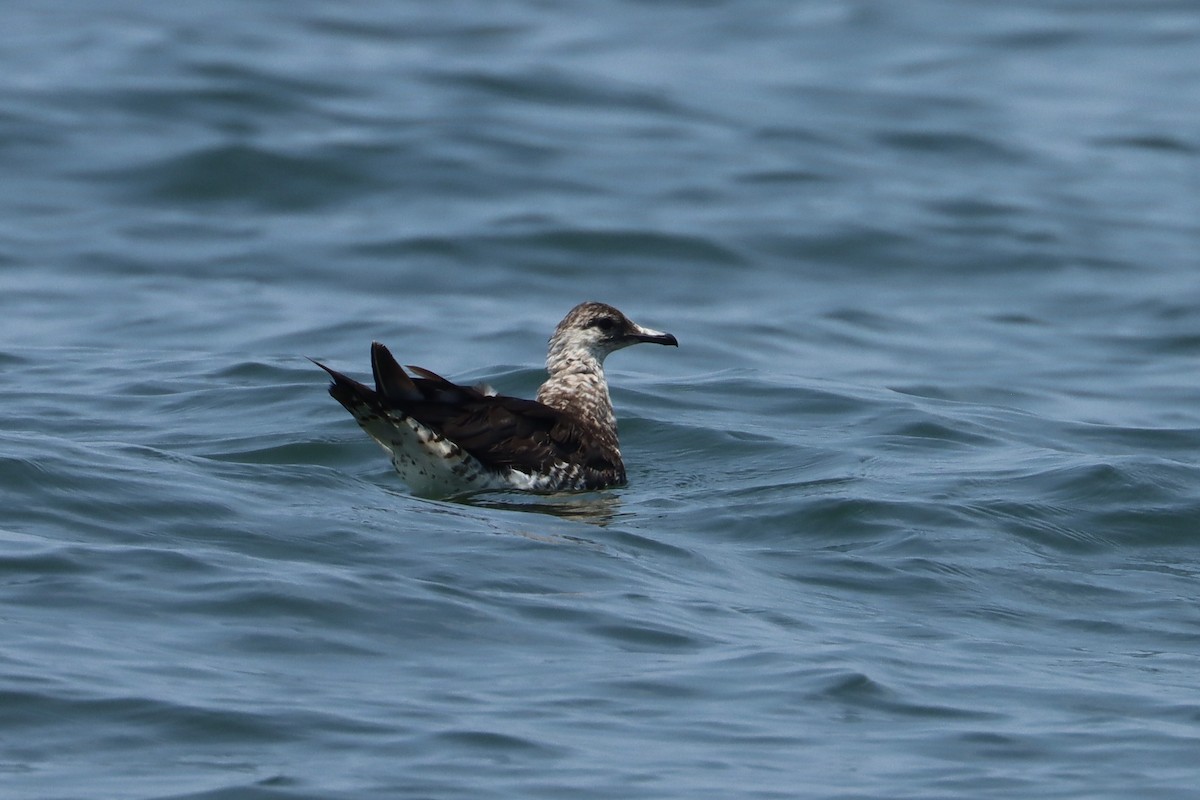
<point>523,434</point>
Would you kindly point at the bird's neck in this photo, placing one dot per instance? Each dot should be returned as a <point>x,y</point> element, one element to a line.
<point>562,361</point>
<point>577,386</point>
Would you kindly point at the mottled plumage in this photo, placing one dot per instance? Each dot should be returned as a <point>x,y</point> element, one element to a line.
<point>447,439</point>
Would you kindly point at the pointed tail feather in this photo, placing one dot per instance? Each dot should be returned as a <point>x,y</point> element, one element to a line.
<point>391,382</point>
<point>435,387</point>
<point>370,408</point>
<point>429,374</point>
<point>396,396</point>
<point>347,391</point>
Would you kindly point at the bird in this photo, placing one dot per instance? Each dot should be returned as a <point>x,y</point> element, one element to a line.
<point>446,439</point>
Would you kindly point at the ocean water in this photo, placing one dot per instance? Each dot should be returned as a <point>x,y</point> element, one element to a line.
<point>913,511</point>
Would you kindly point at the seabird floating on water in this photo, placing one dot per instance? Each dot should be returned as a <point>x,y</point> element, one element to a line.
<point>446,439</point>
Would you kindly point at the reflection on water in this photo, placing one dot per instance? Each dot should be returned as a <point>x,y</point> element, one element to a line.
<point>594,508</point>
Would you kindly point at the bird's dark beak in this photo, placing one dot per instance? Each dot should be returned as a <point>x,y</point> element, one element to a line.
<point>652,336</point>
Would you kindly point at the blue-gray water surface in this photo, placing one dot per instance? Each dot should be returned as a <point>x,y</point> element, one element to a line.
<point>913,511</point>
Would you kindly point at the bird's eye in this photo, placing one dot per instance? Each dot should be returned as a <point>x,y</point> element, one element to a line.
<point>605,324</point>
